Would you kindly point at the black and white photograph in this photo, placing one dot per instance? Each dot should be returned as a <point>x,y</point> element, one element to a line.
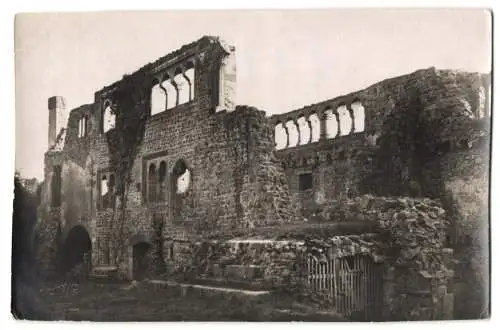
<point>310,165</point>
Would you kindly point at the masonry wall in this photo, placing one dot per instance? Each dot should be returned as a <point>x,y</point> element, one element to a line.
<point>426,134</point>
<point>408,120</point>
<point>464,186</point>
<point>228,152</point>
<point>412,145</point>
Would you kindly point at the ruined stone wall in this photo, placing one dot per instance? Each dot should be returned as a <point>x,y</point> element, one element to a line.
<point>337,168</point>
<point>48,229</point>
<point>235,182</point>
<point>426,134</point>
<point>408,121</point>
<point>171,136</point>
<point>464,186</point>
<point>408,246</point>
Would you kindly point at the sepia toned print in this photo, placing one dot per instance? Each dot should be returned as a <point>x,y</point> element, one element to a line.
<point>165,199</point>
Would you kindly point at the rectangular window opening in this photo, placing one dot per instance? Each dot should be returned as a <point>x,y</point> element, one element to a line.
<point>305,181</point>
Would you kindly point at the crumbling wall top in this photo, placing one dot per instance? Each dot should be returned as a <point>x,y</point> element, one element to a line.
<point>172,58</point>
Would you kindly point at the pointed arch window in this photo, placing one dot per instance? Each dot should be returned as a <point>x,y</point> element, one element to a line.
<point>158,99</point>
<point>171,92</point>
<point>162,178</point>
<point>152,180</point>
<point>109,119</point>
<point>182,85</point>
<point>180,184</point>
<point>189,75</point>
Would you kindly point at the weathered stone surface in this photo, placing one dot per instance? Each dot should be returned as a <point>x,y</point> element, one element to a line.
<point>424,134</point>
<point>235,180</point>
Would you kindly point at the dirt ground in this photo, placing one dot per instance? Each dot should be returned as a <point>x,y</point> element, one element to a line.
<point>91,301</point>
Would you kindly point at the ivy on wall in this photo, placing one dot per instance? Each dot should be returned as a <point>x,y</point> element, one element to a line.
<point>129,107</point>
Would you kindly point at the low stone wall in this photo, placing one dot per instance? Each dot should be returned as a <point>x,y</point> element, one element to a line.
<point>410,243</point>
<point>266,263</point>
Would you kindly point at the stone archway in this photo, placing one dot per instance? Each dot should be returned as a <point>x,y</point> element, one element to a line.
<point>140,260</point>
<point>140,248</point>
<point>76,249</point>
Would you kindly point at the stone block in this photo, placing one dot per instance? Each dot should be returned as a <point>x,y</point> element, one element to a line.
<point>243,272</point>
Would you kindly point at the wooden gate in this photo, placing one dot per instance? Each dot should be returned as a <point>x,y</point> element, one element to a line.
<point>354,283</point>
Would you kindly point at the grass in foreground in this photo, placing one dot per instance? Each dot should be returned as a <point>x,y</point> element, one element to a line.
<point>92,301</point>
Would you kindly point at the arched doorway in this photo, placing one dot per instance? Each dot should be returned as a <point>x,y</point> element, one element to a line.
<point>76,249</point>
<point>140,260</point>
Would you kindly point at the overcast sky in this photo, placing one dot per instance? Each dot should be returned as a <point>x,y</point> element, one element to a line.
<point>285,59</point>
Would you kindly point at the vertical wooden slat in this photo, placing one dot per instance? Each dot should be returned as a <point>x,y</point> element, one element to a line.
<point>339,283</point>
<point>355,287</point>
<point>330,277</point>
<point>311,264</point>
<point>308,274</point>
<point>356,284</point>
<point>348,287</point>
<point>314,272</point>
<point>342,287</point>
<point>320,267</point>
<point>323,265</point>
<point>367,271</point>
<point>345,285</point>
<point>327,274</point>
<point>351,289</point>
<point>372,288</point>
<point>361,304</point>
<point>317,272</point>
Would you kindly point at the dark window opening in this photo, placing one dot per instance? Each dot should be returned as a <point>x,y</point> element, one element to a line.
<point>56,186</point>
<point>140,260</point>
<point>305,181</point>
<point>443,147</point>
<point>162,180</point>
<point>171,252</point>
<point>111,191</point>
<point>152,183</point>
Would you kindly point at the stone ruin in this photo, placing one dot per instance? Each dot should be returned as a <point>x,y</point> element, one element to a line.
<point>164,160</point>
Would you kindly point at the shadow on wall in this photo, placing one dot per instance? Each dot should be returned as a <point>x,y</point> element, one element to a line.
<point>23,261</point>
<point>76,249</point>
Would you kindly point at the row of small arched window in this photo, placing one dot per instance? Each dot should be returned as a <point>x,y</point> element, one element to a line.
<point>306,130</point>
<point>173,91</point>
<point>157,180</point>
<point>170,93</point>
